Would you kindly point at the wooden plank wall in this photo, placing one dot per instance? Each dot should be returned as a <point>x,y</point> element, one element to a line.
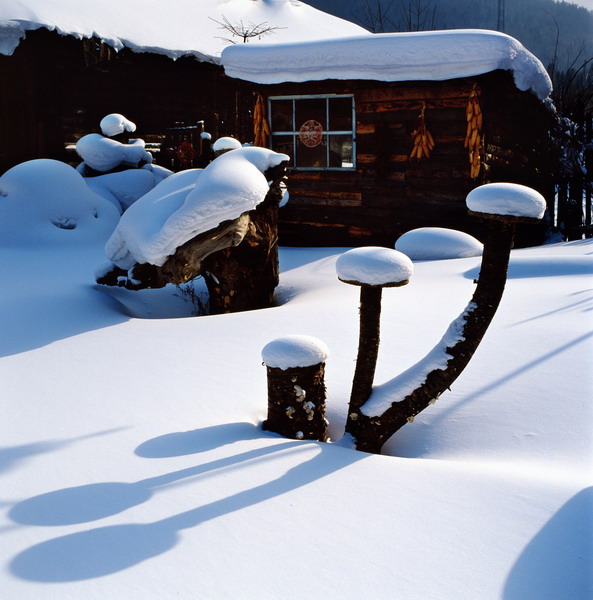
<point>55,89</point>
<point>390,193</point>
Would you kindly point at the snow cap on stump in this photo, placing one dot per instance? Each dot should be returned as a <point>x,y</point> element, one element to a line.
<point>374,266</point>
<point>506,199</point>
<point>114,124</point>
<point>226,143</point>
<point>294,351</point>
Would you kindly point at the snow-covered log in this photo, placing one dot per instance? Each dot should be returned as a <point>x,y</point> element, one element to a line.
<point>178,230</point>
<point>396,402</point>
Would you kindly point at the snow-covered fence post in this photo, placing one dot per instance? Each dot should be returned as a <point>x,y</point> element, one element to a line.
<point>296,387</point>
<point>372,268</point>
<point>397,402</point>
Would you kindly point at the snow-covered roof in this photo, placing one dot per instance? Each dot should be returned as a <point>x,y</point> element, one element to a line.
<point>174,28</point>
<point>426,55</point>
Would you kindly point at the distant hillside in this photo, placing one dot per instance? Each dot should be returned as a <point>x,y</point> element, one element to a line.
<point>537,24</point>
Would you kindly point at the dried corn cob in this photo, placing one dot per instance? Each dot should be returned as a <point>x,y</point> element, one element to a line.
<point>473,137</point>
<point>422,139</point>
<point>261,129</point>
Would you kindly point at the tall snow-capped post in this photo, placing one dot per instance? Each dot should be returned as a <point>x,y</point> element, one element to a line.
<point>296,387</point>
<point>371,268</point>
<point>396,402</point>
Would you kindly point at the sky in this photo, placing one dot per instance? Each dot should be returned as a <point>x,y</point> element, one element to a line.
<point>586,3</point>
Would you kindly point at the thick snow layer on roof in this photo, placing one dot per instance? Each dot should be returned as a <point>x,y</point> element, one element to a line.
<point>174,28</point>
<point>189,203</point>
<point>427,55</point>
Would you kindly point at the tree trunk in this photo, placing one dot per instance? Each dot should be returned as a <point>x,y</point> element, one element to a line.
<point>371,432</point>
<point>244,277</point>
<point>296,402</point>
<point>238,258</point>
<point>368,345</point>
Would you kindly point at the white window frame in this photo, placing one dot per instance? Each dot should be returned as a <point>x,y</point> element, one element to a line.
<point>327,133</point>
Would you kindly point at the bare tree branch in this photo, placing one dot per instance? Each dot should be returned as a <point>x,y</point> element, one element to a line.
<point>245,32</point>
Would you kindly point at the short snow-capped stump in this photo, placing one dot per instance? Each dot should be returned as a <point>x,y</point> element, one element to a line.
<point>296,387</point>
<point>507,202</point>
<point>372,268</point>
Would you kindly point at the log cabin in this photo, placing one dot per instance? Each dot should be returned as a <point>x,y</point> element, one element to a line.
<point>62,70</point>
<point>389,133</point>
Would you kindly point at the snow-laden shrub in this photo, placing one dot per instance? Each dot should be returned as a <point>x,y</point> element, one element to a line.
<point>45,200</point>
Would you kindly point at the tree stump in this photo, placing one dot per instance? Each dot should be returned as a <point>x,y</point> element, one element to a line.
<point>296,394</point>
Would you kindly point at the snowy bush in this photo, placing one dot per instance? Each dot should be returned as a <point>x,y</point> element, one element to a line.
<point>46,200</point>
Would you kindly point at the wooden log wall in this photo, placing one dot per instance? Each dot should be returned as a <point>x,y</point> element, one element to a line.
<point>55,89</point>
<point>390,193</point>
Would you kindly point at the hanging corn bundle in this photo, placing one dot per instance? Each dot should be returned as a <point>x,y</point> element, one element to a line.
<point>473,136</point>
<point>423,141</point>
<point>261,129</point>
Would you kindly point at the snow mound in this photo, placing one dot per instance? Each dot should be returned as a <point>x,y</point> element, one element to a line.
<point>114,124</point>
<point>414,56</point>
<point>46,200</point>
<point>373,265</point>
<point>226,143</point>
<point>294,351</point>
<point>189,203</point>
<point>438,243</point>
<point>104,154</point>
<point>125,187</point>
<point>510,199</point>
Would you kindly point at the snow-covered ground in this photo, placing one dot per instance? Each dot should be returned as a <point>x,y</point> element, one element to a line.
<point>133,466</point>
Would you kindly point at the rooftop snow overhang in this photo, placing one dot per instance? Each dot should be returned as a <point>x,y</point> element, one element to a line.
<point>417,56</point>
<point>182,28</point>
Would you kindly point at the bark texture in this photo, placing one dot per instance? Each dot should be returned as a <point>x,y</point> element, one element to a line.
<point>296,402</point>
<point>370,433</point>
<point>244,277</point>
<point>238,259</point>
<point>368,345</point>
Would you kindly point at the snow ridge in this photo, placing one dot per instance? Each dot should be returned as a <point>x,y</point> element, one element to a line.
<point>426,55</point>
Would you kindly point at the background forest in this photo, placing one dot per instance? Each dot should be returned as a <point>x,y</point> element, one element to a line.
<point>560,34</point>
<point>548,29</point>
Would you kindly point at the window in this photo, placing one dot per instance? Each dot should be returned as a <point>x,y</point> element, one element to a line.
<point>317,132</point>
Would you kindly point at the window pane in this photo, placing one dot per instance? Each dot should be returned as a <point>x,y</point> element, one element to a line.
<point>281,116</point>
<point>340,151</point>
<point>308,155</point>
<point>340,114</point>
<point>283,144</point>
<point>310,110</point>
